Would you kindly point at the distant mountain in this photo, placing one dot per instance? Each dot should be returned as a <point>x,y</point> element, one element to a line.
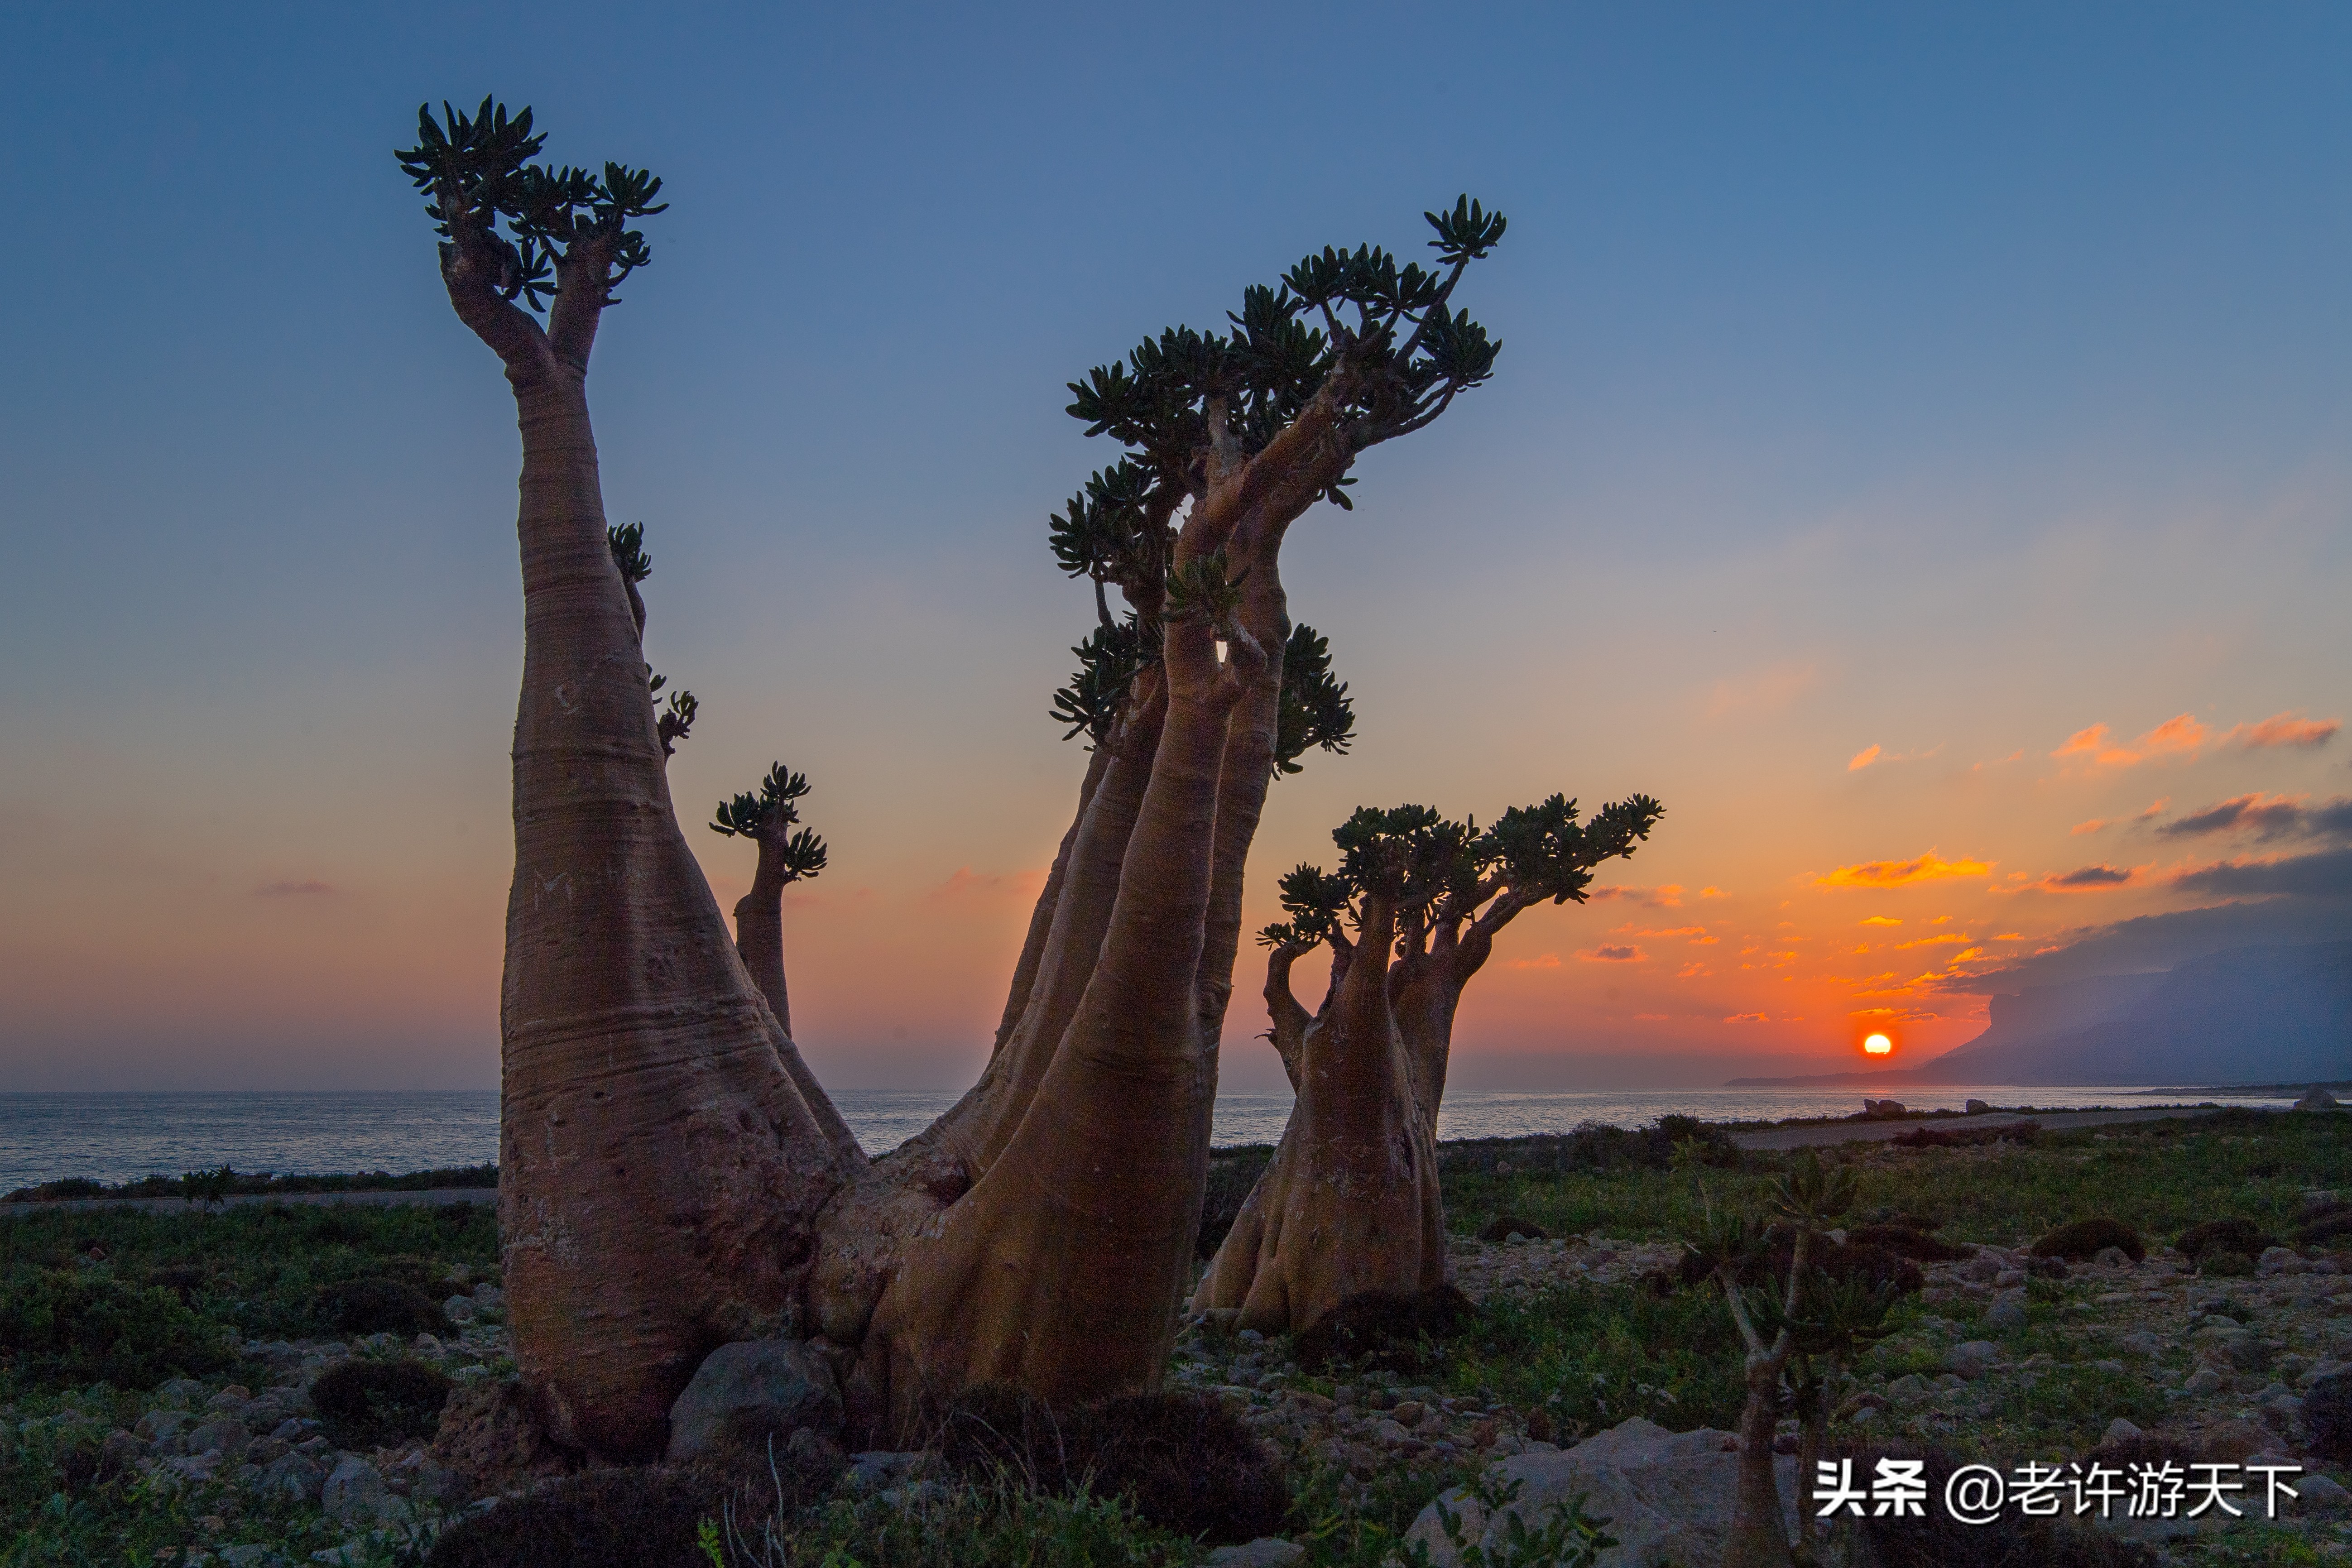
<point>2281,1013</point>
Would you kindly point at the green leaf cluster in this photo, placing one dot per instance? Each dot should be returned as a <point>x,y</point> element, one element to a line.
<point>628,546</point>
<point>765,814</point>
<point>1438,869</point>
<point>1385,327</point>
<point>1316,711</point>
<point>480,170</point>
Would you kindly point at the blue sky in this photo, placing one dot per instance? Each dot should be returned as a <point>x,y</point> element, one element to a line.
<point>1947,381</point>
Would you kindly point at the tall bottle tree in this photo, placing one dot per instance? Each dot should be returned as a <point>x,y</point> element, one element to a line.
<point>1349,1204</point>
<point>670,1180</point>
<point>659,1174</point>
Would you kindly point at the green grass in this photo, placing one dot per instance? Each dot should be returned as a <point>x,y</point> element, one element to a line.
<point>1589,1355</point>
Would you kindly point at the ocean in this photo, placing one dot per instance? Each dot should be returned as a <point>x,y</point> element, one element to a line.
<point>121,1137</point>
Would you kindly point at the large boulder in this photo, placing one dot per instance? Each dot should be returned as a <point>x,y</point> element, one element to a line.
<point>1667,1496</point>
<point>751,1390</point>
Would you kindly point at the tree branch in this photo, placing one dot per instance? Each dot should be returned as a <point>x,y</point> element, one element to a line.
<point>1290,1020</point>
<point>582,284</point>
<point>475,265</point>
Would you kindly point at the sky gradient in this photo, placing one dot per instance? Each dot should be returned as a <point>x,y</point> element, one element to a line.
<point>1917,456</point>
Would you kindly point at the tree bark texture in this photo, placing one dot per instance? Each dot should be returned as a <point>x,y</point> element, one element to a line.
<point>759,942</point>
<point>659,1172</point>
<point>1059,1269</point>
<point>1349,1204</point>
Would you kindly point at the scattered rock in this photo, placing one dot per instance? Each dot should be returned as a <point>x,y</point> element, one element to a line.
<point>1977,1108</point>
<point>297,1477</point>
<point>876,1468</point>
<point>490,1439</point>
<point>354,1491</point>
<point>2318,1100</point>
<point>749,1390</point>
<point>2008,1311</point>
<point>1266,1552</point>
<point>2121,1431</point>
<point>2318,1494</point>
<point>1667,1496</point>
<point>2203,1380</point>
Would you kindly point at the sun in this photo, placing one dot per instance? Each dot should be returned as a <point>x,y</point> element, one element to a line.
<point>1878,1046</point>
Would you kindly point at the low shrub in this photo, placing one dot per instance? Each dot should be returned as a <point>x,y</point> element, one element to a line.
<point>2327,1231</point>
<point>2232,1235</point>
<point>2086,1238</point>
<point>182,1280</point>
<point>2327,1416</point>
<point>1968,1137</point>
<point>1875,1264</point>
<point>2226,1265</point>
<point>1395,1332</point>
<point>66,1326</point>
<point>376,1306</point>
<point>370,1404</point>
<point>1905,1241</point>
<point>1183,1461</point>
<point>639,1518</point>
<point>1501,1226</point>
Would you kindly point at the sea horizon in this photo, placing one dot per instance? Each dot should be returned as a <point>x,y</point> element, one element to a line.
<point>121,1135</point>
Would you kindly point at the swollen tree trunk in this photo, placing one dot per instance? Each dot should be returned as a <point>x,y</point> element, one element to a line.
<point>1049,897</point>
<point>978,1127</point>
<point>1349,1204</point>
<point>658,1172</point>
<point>1759,1537</point>
<point>759,942</point>
<point>1059,1270</point>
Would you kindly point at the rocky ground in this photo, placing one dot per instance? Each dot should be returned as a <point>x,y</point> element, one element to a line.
<point>246,1462</point>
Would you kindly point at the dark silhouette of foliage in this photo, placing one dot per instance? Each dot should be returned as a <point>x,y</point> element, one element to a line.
<point>2327,1416</point>
<point>1905,1241</point>
<point>66,1327</point>
<point>479,172</point>
<point>1316,709</point>
<point>2086,1238</point>
<point>378,1306</point>
<point>766,813</point>
<point>370,1404</point>
<point>1183,1460</point>
<point>1378,1330</point>
<point>634,1518</point>
<point>2231,1235</point>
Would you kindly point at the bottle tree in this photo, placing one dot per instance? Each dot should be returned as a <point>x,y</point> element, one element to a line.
<point>669,1182</point>
<point>1349,1205</point>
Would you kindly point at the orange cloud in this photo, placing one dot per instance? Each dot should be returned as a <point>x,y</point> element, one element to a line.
<point>2283,730</point>
<point>1948,938</point>
<point>1927,868</point>
<point>1548,960</point>
<point>1864,758</point>
<point>967,884</point>
<point>1669,897</point>
<point>1612,953</point>
<point>1692,970</point>
<point>1881,920</point>
<point>1678,931</point>
<point>1747,1018</point>
<point>1713,893</point>
<point>2092,826</point>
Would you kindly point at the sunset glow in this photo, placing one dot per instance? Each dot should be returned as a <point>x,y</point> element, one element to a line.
<point>1878,1046</point>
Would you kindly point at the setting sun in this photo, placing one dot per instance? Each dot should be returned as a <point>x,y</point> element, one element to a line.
<point>1878,1046</point>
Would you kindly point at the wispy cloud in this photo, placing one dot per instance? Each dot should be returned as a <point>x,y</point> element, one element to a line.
<point>1865,758</point>
<point>1747,1017</point>
<point>2326,874</point>
<point>1881,920</point>
<point>1950,937</point>
<point>2098,745</point>
<point>1763,691</point>
<point>1669,897</point>
<point>2085,879</point>
<point>1611,952</point>
<point>2265,816</point>
<point>1545,961</point>
<point>292,889</point>
<point>1928,868</point>
<point>2283,730</point>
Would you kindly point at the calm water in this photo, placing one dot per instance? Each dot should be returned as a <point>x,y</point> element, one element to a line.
<point>120,1137</point>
